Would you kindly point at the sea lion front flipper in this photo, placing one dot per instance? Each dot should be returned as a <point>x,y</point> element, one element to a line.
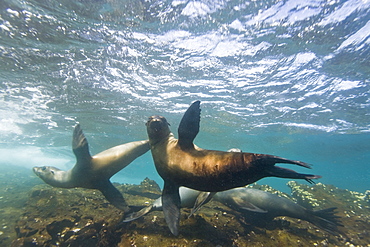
<point>189,126</point>
<point>112,194</point>
<point>243,204</point>
<point>202,199</point>
<point>80,146</point>
<point>171,204</point>
<point>138,214</point>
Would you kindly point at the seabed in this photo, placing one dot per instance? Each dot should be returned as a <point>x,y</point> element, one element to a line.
<point>34,214</point>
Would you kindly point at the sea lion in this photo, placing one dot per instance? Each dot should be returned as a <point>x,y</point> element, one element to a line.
<point>256,206</point>
<point>94,172</point>
<point>180,163</point>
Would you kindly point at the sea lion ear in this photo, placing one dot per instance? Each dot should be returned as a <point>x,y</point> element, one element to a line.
<point>189,125</point>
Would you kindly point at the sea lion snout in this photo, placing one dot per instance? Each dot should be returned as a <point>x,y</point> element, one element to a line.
<point>157,123</point>
<point>40,170</point>
<point>36,170</point>
<point>44,171</point>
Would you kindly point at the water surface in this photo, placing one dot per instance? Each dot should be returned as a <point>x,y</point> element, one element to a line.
<point>289,78</point>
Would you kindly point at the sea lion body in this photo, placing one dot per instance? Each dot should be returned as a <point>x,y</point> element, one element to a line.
<point>268,203</point>
<point>180,163</point>
<point>107,163</point>
<point>94,172</point>
<point>205,170</point>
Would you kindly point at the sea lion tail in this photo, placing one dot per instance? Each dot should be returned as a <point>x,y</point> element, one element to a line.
<point>326,220</point>
<point>276,171</point>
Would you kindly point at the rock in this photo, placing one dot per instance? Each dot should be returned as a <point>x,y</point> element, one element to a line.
<point>82,217</point>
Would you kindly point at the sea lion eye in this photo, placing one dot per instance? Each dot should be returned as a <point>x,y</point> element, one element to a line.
<point>43,168</point>
<point>52,172</point>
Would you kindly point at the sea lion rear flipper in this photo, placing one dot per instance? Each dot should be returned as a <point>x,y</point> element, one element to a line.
<point>326,220</point>
<point>112,194</point>
<point>202,199</point>
<point>281,172</point>
<point>189,126</point>
<point>138,214</point>
<point>80,146</point>
<point>275,171</point>
<point>171,204</point>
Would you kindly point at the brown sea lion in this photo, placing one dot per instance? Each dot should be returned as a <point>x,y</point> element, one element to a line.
<point>180,163</point>
<point>94,172</point>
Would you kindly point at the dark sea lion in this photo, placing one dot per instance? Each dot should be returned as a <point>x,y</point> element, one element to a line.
<point>94,172</point>
<point>180,163</point>
<point>256,206</point>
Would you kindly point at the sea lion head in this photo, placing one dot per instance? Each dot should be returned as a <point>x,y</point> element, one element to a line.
<point>157,128</point>
<point>51,175</point>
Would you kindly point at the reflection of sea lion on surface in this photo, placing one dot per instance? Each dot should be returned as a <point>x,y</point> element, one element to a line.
<point>180,163</point>
<point>261,205</point>
<point>94,172</point>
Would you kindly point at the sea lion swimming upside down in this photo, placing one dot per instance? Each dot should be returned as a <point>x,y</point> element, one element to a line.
<point>94,172</point>
<point>180,163</point>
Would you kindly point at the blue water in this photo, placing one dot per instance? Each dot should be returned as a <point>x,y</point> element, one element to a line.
<point>289,78</point>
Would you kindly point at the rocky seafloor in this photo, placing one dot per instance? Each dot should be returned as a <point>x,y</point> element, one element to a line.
<point>35,214</point>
